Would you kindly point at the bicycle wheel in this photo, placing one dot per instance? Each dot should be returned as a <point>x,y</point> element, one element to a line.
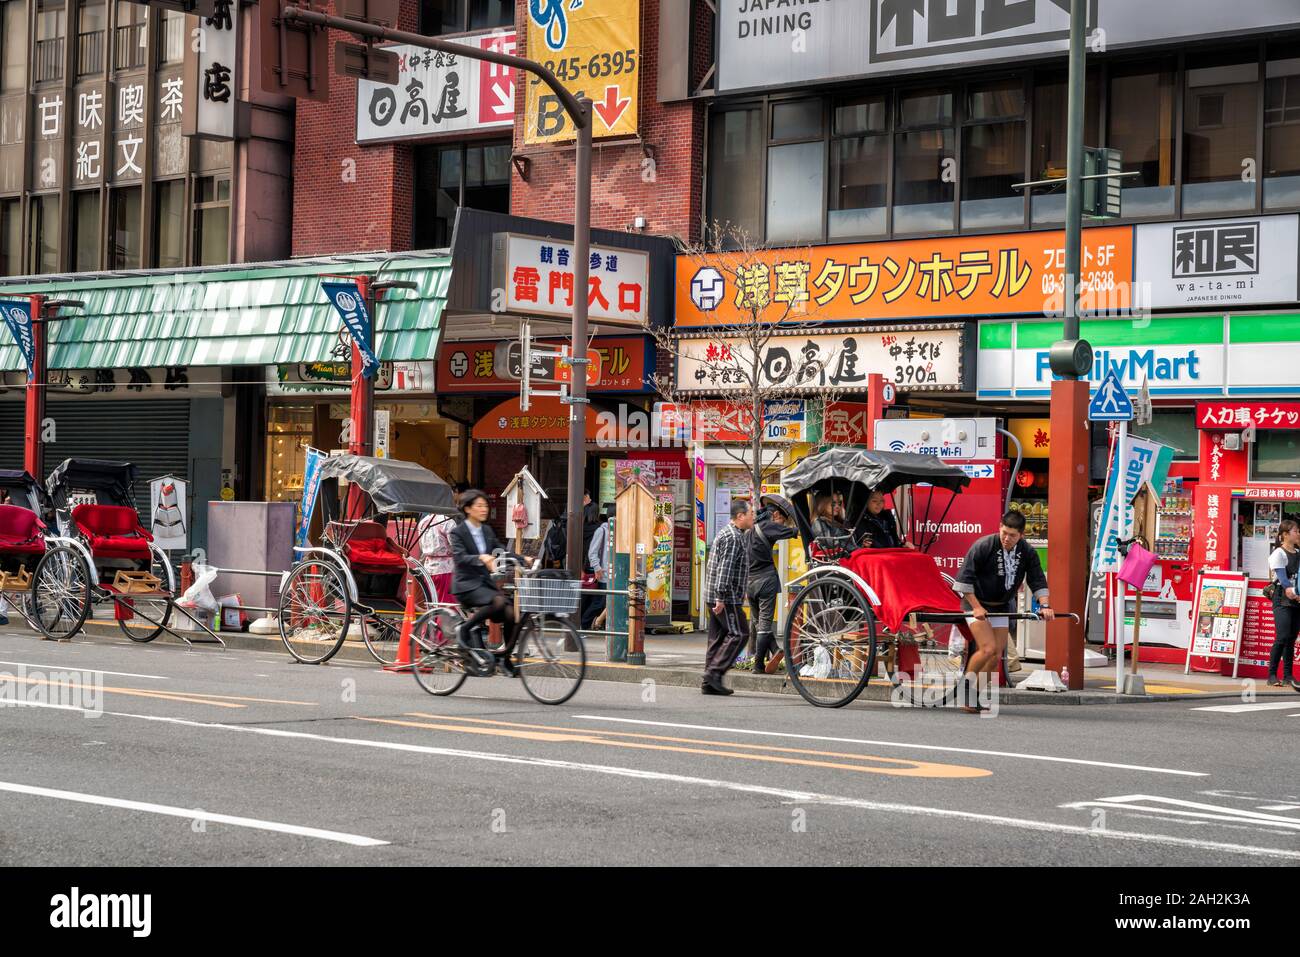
<point>61,593</point>
<point>382,632</point>
<point>436,661</point>
<point>550,671</point>
<point>830,642</point>
<point>314,611</point>
<point>935,680</point>
<point>152,613</point>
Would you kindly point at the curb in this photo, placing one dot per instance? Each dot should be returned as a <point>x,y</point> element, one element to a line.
<point>876,690</point>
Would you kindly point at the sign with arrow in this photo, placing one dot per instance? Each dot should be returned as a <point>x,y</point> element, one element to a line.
<point>1110,403</point>
<point>594,49</point>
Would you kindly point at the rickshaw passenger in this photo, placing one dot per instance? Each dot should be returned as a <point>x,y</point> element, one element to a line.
<point>472,544</point>
<point>880,526</point>
<point>826,527</point>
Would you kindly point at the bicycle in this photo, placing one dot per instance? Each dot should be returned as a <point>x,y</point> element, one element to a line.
<point>549,656</point>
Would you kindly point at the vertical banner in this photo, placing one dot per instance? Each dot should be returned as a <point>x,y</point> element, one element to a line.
<point>210,81</point>
<point>351,306</point>
<point>18,317</point>
<point>168,506</point>
<point>310,487</point>
<point>1144,461</point>
<point>593,48</point>
<point>659,580</point>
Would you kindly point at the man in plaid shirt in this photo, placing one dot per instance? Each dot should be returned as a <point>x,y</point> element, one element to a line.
<point>724,594</point>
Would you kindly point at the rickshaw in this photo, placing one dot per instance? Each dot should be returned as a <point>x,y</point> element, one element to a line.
<point>372,508</point>
<point>24,511</point>
<point>859,606</point>
<point>102,553</point>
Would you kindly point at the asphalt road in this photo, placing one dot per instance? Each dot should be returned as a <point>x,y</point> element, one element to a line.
<point>212,757</point>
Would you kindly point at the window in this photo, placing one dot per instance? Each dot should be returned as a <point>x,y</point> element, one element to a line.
<point>924,158</point>
<point>124,228</point>
<point>448,177</point>
<point>90,38</point>
<point>458,16</point>
<point>11,237</point>
<point>169,224</point>
<point>993,154</point>
<point>131,40</point>
<point>1275,456</point>
<point>1175,428</point>
<point>171,46</point>
<point>736,170</point>
<point>796,172</point>
<point>50,26</point>
<point>1047,157</point>
<point>1220,101</point>
<point>85,231</point>
<point>288,434</point>
<point>859,168</point>
<point>13,71</point>
<point>1282,127</point>
<point>45,235</point>
<point>211,221</point>
<point>1141,126</point>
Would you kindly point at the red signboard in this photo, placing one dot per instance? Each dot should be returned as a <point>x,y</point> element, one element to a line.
<point>471,367</point>
<point>846,423</point>
<point>1237,414</point>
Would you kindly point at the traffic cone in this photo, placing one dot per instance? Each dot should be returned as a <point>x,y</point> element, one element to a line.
<point>403,662</point>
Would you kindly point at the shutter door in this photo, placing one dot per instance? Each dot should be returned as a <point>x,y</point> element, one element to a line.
<point>152,433</point>
<point>12,423</point>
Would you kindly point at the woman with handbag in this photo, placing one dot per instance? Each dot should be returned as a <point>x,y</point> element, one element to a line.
<point>1285,565</point>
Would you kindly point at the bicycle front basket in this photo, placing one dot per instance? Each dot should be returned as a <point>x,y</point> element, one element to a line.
<point>548,594</point>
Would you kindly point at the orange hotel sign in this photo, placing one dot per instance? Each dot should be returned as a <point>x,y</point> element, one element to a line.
<point>1000,274</point>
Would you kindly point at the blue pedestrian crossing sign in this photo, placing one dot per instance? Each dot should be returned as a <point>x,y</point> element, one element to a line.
<point>1110,403</point>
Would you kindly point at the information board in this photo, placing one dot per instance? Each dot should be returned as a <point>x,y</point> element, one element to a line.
<point>1218,611</point>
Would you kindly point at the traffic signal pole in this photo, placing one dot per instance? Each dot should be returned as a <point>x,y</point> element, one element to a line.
<point>579,112</point>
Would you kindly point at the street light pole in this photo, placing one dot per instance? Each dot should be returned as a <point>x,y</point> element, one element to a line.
<point>579,112</point>
<point>1067,555</point>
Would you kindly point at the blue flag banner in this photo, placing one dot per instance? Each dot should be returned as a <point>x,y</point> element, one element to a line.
<point>18,317</point>
<point>310,486</point>
<point>351,305</point>
<point>1146,461</point>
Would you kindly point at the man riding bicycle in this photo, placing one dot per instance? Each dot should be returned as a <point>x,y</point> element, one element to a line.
<point>473,545</point>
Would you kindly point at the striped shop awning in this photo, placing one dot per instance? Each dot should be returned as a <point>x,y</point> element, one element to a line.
<point>256,314</point>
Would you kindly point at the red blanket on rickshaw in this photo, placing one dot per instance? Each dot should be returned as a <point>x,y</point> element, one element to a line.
<point>904,580</point>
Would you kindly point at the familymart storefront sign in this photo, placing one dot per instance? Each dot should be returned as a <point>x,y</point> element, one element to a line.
<point>1191,356</point>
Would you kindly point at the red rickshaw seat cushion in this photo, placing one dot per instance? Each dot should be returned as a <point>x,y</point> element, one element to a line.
<point>20,530</point>
<point>905,581</point>
<point>113,531</point>
<point>375,554</point>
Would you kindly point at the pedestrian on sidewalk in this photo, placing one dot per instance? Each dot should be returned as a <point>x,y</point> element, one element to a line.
<point>724,594</point>
<point>434,543</point>
<point>1285,565</point>
<point>600,556</point>
<point>764,583</point>
<point>991,575</point>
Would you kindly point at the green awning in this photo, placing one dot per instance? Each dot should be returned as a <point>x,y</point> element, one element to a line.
<point>257,314</point>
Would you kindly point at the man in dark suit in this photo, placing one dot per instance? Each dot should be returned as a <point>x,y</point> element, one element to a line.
<point>473,543</point>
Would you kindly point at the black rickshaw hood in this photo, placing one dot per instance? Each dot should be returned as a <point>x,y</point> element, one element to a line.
<point>882,471</point>
<point>393,486</point>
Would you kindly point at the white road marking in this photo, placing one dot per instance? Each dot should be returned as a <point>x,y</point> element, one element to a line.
<point>1279,807</point>
<point>793,797</point>
<point>120,674</point>
<point>899,744</point>
<point>1257,706</point>
<point>193,814</point>
<point>1193,809</point>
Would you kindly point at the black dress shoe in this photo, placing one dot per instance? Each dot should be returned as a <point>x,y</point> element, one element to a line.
<point>715,687</point>
<point>507,665</point>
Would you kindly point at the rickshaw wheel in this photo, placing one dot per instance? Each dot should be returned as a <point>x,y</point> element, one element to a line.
<point>938,676</point>
<point>830,642</point>
<point>61,593</point>
<point>157,608</point>
<point>314,611</point>
<point>382,633</point>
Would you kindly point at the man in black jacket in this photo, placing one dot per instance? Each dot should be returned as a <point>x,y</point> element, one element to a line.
<point>991,575</point>
<point>764,583</point>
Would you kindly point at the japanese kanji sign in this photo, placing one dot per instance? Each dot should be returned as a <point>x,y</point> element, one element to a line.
<point>594,48</point>
<point>537,276</point>
<point>1241,414</point>
<point>475,367</point>
<point>211,84</point>
<point>917,357</point>
<point>439,93</point>
<point>920,278</point>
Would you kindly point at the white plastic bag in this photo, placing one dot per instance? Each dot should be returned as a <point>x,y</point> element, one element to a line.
<point>198,597</point>
<point>821,665</point>
<point>956,644</point>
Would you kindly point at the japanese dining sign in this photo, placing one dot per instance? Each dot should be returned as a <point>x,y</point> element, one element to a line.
<point>537,277</point>
<point>476,368</point>
<point>927,357</point>
<point>772,43</point>
<point>593,48</point>
<point>911,279</point>
<point>439,93</point>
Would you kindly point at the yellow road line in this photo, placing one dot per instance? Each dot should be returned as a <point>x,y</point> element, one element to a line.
<point>897,767</point>
<point>189,697</point>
